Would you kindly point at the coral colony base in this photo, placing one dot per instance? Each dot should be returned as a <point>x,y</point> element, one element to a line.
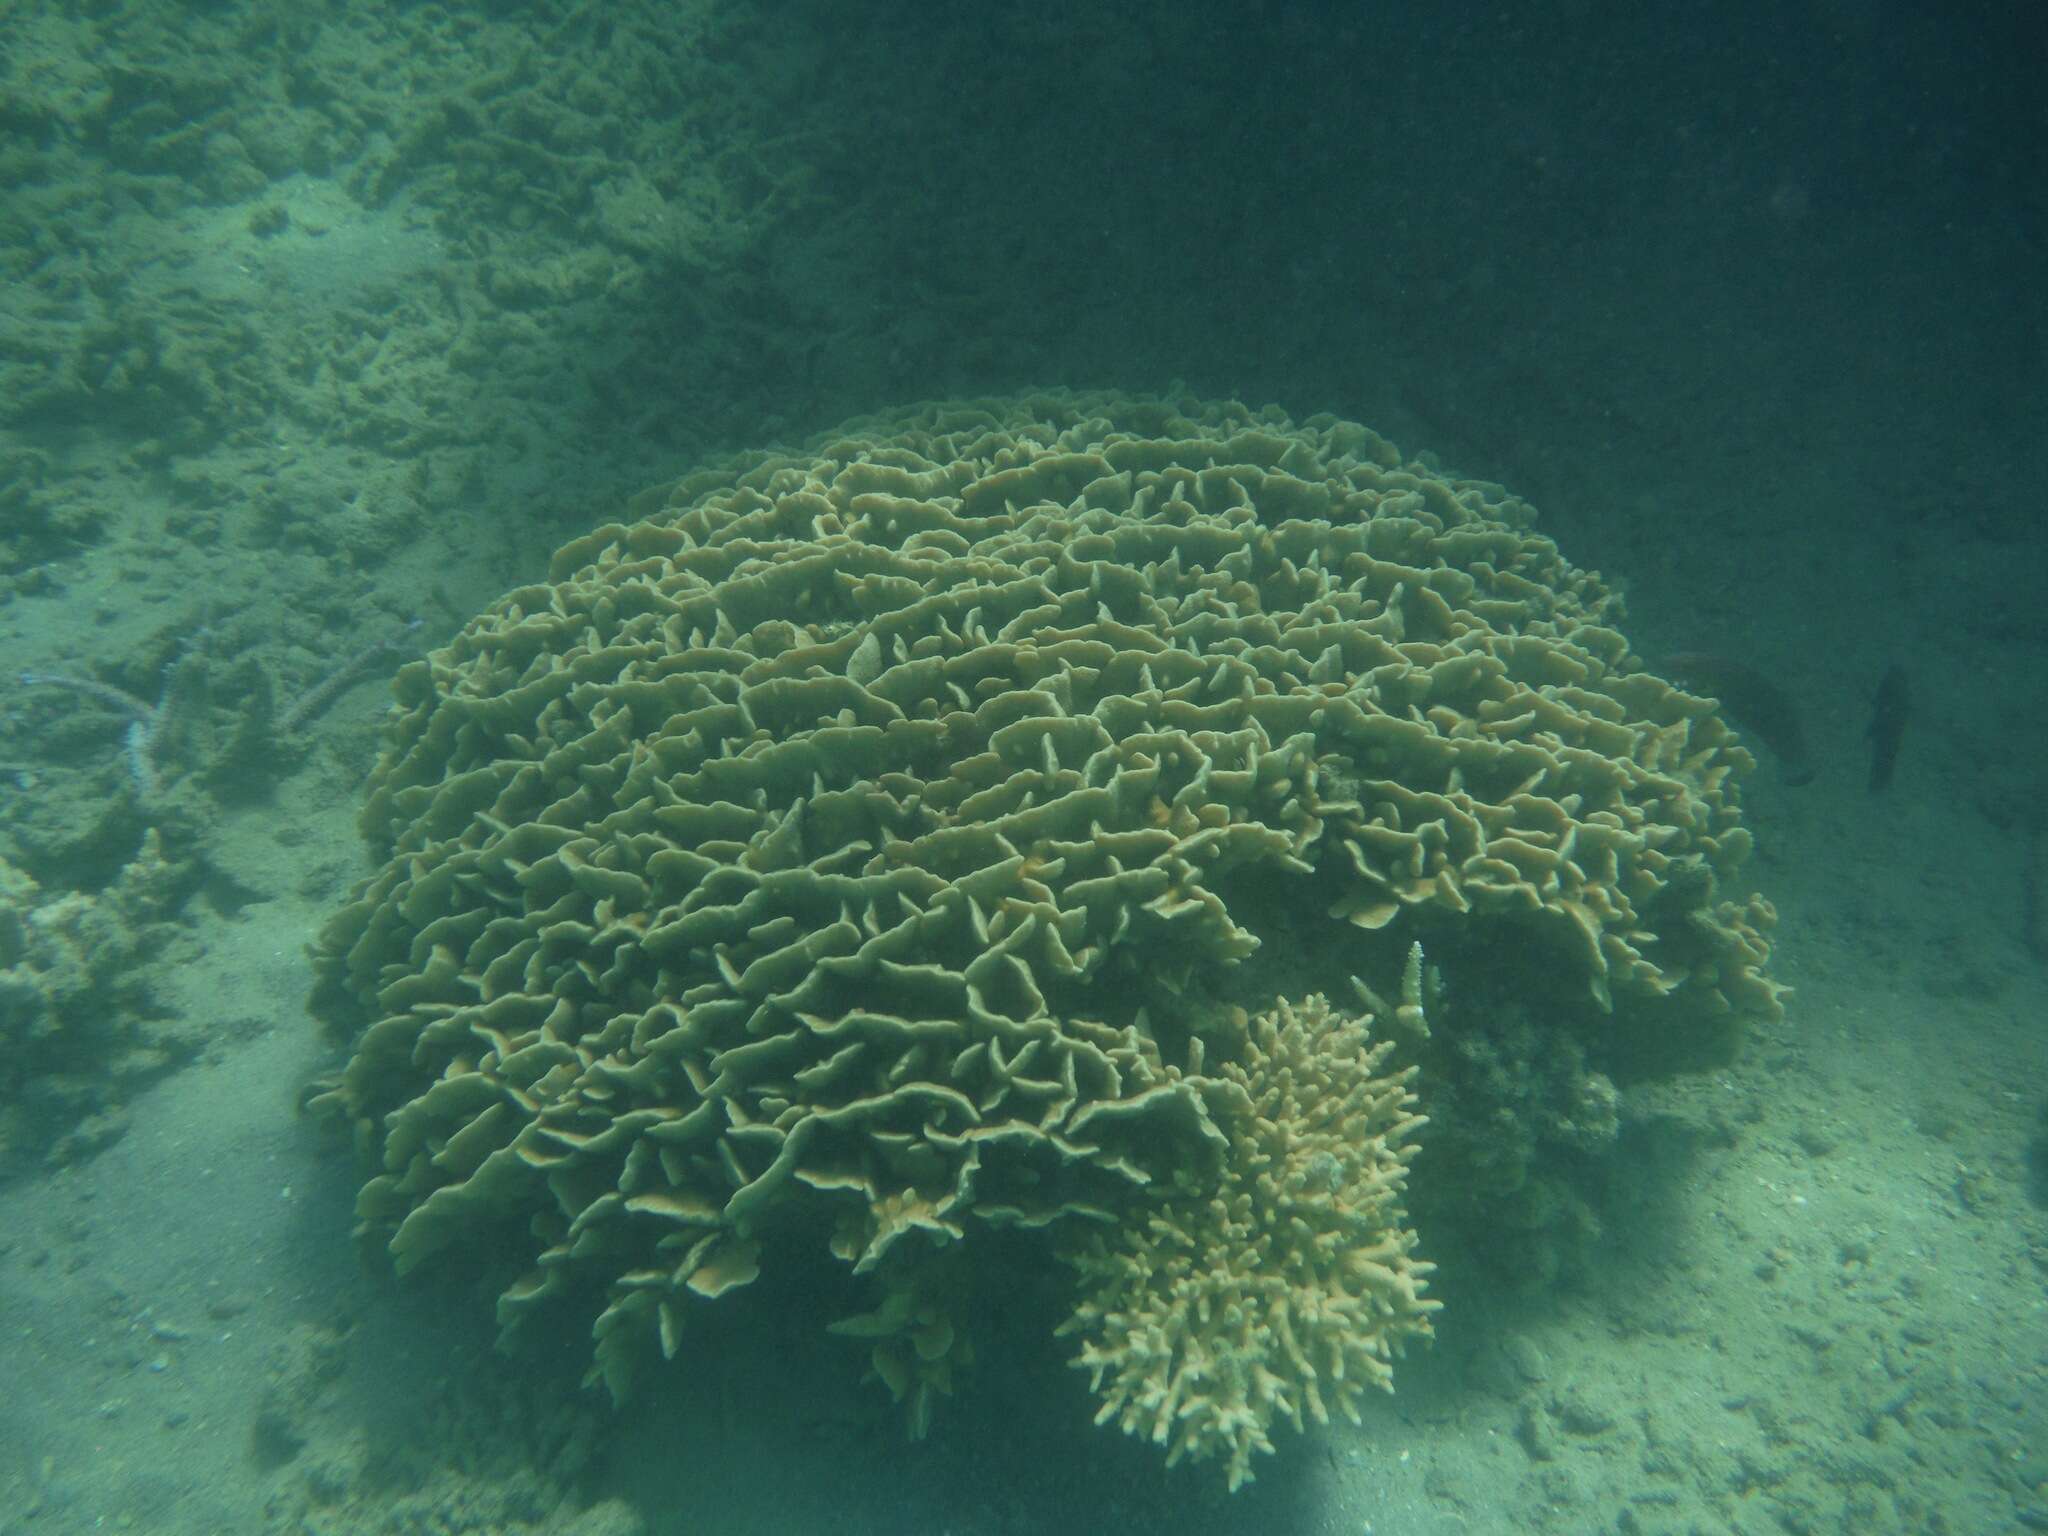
<point>890,840</point>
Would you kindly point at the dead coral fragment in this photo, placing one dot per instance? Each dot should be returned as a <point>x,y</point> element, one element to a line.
<point>1291,1285</point>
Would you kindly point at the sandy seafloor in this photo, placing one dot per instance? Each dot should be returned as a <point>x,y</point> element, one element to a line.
<point>318,320</point>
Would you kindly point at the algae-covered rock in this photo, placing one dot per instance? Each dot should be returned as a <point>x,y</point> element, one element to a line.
<point>80,1031</point>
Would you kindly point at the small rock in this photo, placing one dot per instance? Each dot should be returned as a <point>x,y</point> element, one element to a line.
<point>1534,1431</point>
<point>1814,1140</point>
<point>1527,1359</point>
<point>1582,1415</point>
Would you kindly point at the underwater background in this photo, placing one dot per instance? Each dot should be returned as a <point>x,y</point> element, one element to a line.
<point>324,326</point>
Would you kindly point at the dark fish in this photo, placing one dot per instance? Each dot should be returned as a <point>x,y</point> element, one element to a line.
<point>1888,715</point>
<point>1757,704</point>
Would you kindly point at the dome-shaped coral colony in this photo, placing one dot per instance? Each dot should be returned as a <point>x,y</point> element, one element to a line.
<point>856,842</point>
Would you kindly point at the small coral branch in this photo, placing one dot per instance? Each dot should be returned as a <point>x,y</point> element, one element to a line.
<point>138,743</point>
<point>309,705</point>
<point>106,693</point>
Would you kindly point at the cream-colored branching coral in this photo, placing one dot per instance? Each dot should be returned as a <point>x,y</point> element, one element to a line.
<point>1286,1288</point>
